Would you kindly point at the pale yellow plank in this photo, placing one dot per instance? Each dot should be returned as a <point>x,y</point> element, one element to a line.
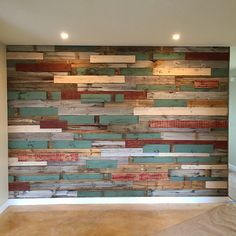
<point>30,129</point>
<point>204,167</point>
<point>112,59</point>
<point>184,111</point>
<point>182,71</point>
<point>89,79</point>
<point>28,163</point>
<point>24,56</point>
<point>217,184</point>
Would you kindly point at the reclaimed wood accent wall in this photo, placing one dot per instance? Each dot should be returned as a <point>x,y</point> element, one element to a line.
<point>88,121</point>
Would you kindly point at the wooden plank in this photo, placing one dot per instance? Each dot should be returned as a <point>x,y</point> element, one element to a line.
<point>139,176</point>
<point>89,79</point>
<point>112,59</point>
<point>28,163</point>
<point>141,143</point>
<point>38,111</point>
<point>27,144</point>
<point>182,71</point>
<point>31,129</point>
<point>158,80</point>
<point>19,186</point>
<point>118,119</point>
<point>53,124</point>
<point>193,124</point>
<point>216,184</point>
<point>95,164</point>
<point>24,56</point>
<point>162,111</point>
<point>194,148</point>
<point>206,84</point>
<point>187,95</point>
<point>204,167</point>
<point>44,67</point>
<point>207,103</point>
<point>207,56</point>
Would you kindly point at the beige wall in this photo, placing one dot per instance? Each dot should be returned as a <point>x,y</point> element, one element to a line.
<point>3,127</point>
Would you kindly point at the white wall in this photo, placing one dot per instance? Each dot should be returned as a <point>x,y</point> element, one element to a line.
<point>3,127</point>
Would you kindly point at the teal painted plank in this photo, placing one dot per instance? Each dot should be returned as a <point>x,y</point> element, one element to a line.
<point>143,136</point>
<point>103,97</point>
<point>28,144</point>
<point>119,98</point>
<point>109,136</point>
<point>191,88</point>
<point>170,103</point>
<point>11,112</point>
<point>96,71</point>
<point>153,160</point>
<point>38,111</point>
<point>67,144</point>
<point>126,119</point>
<point>82,176</point>
<point>218,72</point>
<point>210,160</point>
<point>78,120</point>
<point>37,178</point>
<point>124,193</point>
<point>155,87</point>
<point>101,164</point>
<point>56,95</point>
<point>89,194</point>
<point>92,100</point>
<point>140,55</point>
<point>200,178</point>
<point>10,178</point>
<point>34,95</point>
<point>177,178</point>
<point>169,56</point>
<point>194,148</point>
<point>136,71</point>
<point>156,148</point>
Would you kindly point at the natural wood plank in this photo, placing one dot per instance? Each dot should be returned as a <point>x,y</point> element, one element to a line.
<point>89,79</point>
<point>204,167</point>
<point>159,111</point>
<point>206,84</point>
<point>112,59</point>
<point>30,129</point>
<point>187,95</point>
<point>24,56</point>
<point>217,184</point>
<point>44,67</point>
<point>207,103</point>
<point>182,71</point>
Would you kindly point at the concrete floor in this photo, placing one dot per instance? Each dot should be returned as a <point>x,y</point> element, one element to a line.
<point>96,220</point>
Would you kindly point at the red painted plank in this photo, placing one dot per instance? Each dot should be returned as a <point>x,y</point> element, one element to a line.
<point>206,84</point>
<point>46,156</point>
<point>73,94</point>
<point>139,176</point>
<point>47,124</point>
<point>44,67</point>
<point>19,186</point>
<point>192,124</point>
<point>214,56</point>
<point>141,143</point>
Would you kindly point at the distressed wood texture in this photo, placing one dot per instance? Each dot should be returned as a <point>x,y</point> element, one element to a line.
<point>90,79</point>
<point>95,121</point>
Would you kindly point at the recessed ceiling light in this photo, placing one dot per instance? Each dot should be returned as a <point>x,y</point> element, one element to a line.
<point>64,35</point>
<point>175,36</point>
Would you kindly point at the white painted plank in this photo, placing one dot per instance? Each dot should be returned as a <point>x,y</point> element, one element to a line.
<point>204,167</point>
<point>27,163</point>
<point>30,129</point>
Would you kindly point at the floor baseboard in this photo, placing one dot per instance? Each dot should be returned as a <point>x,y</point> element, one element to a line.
<point>4,206</point>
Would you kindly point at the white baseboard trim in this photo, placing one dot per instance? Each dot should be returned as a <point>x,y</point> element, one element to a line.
<point>117,200</point>
<point>4,206</point>
<point>232,167</point>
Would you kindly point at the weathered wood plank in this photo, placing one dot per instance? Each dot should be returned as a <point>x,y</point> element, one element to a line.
<point>53,124</point>
<point>206,84</point>
<point>187,95</point>
<point>112,59</point>
<point>31,129</point>
<point>89,79</point>
<point>24,56</point>
<point>28,163</point>
<point>182,71</point>
<point>206,56</point>
<point>19,186</point>
<point>217,184</point>
<point>162,111</point>
<point>207,103</point>
<point>211,124</point>
<point>44,67</point>
<point>204,167</point>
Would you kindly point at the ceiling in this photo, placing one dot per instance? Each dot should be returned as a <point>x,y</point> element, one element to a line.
<point>119,22</point>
